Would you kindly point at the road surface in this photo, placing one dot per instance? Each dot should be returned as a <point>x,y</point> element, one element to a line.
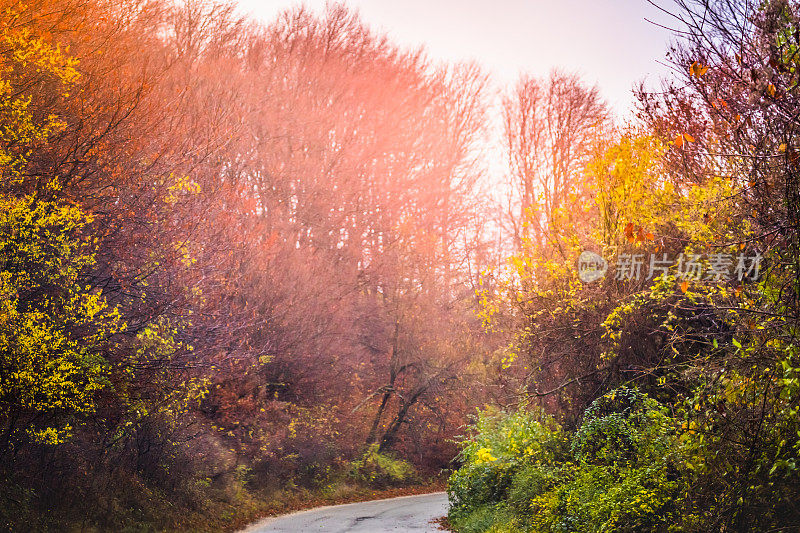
<point>406,513</point>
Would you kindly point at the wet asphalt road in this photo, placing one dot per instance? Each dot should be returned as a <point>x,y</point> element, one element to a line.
<point>403,514</point>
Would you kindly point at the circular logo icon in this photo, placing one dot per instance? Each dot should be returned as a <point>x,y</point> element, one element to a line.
<point>591,267</point>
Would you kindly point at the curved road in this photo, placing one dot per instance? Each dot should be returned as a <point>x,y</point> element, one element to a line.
<point>406,513</point>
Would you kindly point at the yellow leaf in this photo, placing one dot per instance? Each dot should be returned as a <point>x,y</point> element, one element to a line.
<point>771,90</point>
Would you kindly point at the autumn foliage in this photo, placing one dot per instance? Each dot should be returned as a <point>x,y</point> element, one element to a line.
<point>233,257</point>
<point>241,262</point>
<point>674,382</point>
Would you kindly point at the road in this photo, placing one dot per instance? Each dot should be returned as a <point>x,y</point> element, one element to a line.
<point>406,513</point>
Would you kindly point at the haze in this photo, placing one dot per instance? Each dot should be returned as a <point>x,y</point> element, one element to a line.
<point>608,42</point>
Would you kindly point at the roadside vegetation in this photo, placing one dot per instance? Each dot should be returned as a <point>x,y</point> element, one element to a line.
<point>247,267</point>
<point>656,399</point>
<point>228,282</point>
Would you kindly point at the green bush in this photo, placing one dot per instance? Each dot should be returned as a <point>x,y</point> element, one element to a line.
<point>500,445</point>
<point>615,473</point>
<point>608,499</point>
<point>381,469</point>
<point>623,427</point>
<point>532,490</point>
<point>489,519</point>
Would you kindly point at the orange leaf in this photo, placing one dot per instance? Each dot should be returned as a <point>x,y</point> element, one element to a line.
<point>684,286</point>
<point>697,69</point>
<point>771,90</point>
<point>683,138</point>
<point>629,230</point>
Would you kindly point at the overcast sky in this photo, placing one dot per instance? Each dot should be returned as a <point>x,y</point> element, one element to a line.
<point>607,42</point>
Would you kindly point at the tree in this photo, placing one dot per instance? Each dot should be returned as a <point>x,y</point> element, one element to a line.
<point>732,116</point>
<point>549,130</point>
<point>54,329</point>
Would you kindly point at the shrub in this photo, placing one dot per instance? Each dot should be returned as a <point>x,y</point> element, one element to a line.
<point>616,473</point>
<point>532,494</point>
<point>54,328</point>
<point>489,519</point>
<point>623,427</point>
<point>501,445</point>
<point>381,469</point>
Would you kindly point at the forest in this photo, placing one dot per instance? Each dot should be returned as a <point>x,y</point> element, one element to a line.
<point>247,267</point>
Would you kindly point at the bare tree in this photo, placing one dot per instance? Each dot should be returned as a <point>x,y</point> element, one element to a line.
<point>549,128</point>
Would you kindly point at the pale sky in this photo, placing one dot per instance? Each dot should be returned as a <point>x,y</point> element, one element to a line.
<point>607,42</point>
